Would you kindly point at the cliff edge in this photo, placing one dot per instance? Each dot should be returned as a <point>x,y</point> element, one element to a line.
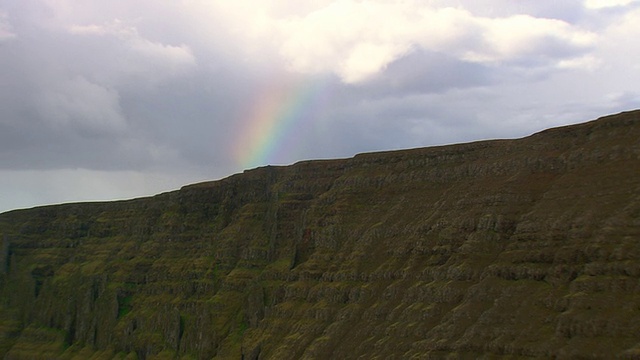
<point>526,248</point>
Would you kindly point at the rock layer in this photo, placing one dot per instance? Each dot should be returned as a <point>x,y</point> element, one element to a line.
<point>504,248</point>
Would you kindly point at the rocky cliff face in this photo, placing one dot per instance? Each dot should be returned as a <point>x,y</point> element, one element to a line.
<point>509,248</point>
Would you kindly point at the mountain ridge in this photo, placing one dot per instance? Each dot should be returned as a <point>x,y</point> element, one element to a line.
<point>517,248</point>
<point>358,155</point>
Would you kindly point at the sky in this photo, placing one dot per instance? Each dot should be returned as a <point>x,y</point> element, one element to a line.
<point>103,100</point>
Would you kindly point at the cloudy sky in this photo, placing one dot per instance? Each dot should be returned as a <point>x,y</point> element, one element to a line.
<point>117,99</point>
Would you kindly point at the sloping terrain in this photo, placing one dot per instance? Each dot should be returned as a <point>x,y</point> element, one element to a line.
<point>494,249</point>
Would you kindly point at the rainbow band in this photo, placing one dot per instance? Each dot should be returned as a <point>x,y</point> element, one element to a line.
<point>277,122</point>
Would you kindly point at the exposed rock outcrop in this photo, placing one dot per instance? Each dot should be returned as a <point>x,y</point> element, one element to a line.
<point>506,248</point>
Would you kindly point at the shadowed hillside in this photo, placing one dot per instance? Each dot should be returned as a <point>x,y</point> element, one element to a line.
<point>494,249</point>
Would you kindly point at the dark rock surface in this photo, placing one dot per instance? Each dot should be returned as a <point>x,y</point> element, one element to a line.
<point>494,249</point>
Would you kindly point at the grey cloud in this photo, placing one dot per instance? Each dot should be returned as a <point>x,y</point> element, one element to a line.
<point>167,94</point>
<point>567,10</point>
<point>82,105</point>
<point>62,100</point>
<point>5,28</point>
<point>422,72</point>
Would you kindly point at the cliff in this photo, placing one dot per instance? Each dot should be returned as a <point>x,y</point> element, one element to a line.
<point>494,249</point>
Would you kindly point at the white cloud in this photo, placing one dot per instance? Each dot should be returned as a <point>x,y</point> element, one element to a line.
<point>587,62</point>
<point>93,30</point>
<point>522,36</point>
<point>369,58</point>
<point>130,36</point>
<point>619,50</point>
<point>353,39</point>
<point>140,54</point>
<point>358,39</point>
<point>623,32</point>
<point>6,32</point>
<point>601,4</point>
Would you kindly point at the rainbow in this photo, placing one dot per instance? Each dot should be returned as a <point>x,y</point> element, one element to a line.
<point>276,124</point>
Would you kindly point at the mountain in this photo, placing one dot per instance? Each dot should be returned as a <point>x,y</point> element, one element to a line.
<point>526,248</point>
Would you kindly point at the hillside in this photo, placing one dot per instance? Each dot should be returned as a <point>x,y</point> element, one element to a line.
<point>526,248</point>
